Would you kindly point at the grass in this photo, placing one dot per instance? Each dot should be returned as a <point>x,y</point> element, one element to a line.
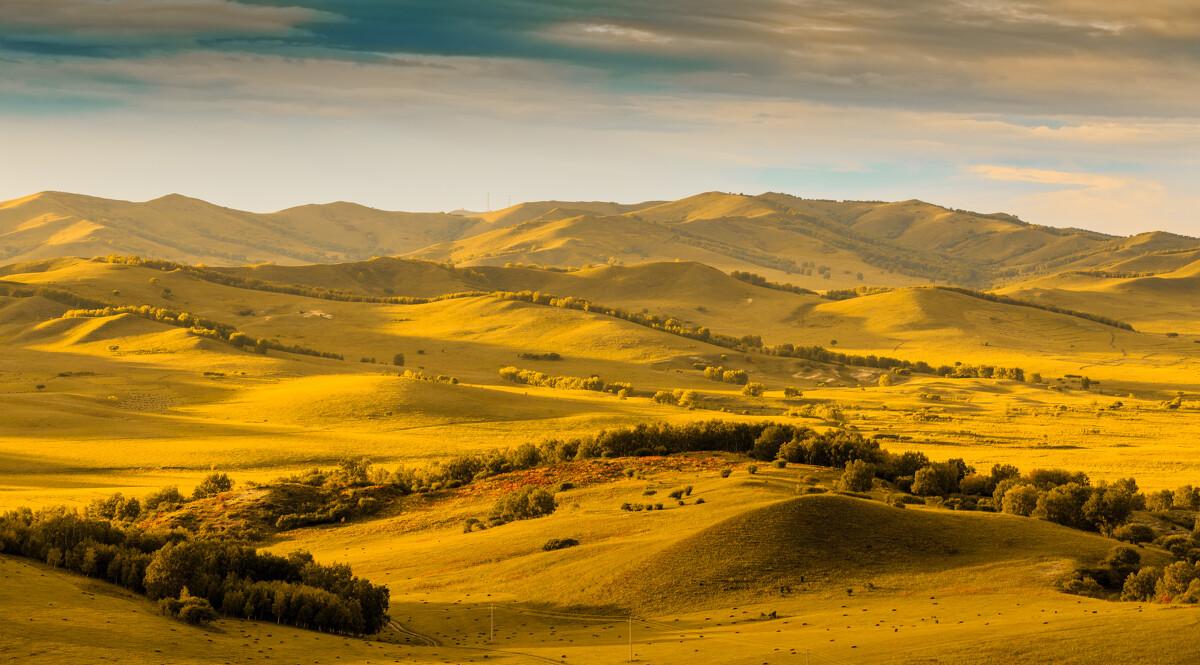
<point>83,419</point>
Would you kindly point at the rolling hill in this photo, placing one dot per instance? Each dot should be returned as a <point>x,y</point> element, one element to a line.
<point>812,243</point>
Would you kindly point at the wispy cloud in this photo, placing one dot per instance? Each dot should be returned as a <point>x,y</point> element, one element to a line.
<point>112,20</point>
<point>1049,177</point>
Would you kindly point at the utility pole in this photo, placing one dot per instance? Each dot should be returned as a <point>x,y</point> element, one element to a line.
<point>492,625</point>
<point>631,638</point>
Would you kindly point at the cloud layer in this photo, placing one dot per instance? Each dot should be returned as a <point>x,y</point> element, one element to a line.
<point>977,103</point>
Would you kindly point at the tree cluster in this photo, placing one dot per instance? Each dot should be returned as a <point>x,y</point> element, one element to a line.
<point>173,565</point>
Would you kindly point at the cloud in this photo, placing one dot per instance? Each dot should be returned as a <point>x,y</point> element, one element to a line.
<point>1049,177</point>
<point>114,20</point>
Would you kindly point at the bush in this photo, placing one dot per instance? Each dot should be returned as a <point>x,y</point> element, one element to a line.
<point>212,485</point>
<point>559,544</point>
<point>398,360</point>
<point>858,477</point>
<point>1134,533</point>
<point>526,503</point>
<point>725,472</point>
<point>166,497</point>
<point>752,469</point>
<point>753,390</point>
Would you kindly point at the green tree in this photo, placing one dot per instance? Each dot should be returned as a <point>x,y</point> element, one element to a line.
<point>1141,585</point>
<point>1020,500</point>
<point>858,476</point>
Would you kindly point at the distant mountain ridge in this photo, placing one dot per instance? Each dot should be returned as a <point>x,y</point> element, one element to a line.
<point>813,243</point>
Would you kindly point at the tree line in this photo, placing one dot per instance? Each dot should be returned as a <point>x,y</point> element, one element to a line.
<point>233,577</point>
<point>201,327</point>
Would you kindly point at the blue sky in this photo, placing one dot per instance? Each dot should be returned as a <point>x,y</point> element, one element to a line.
<point>1066,112</point>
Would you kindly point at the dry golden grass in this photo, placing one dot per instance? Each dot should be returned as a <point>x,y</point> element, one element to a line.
<point>81,419</point>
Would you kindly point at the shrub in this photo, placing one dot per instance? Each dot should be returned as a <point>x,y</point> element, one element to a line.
<point>725,472</point>
<point>1134,533</point>
<point>212,485</point>
<point>858,477</point>
<point>559,544</point>
<point>664,397</point>
<point>398,360</point>
<point>752,469</point>
<point>164,498</point>
<point>792,392</point>
<point>753,390</point>
<point>526,503</point>
<point>700,501</point>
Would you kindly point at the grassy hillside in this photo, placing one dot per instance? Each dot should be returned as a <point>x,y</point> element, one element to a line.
<point>813,243</point>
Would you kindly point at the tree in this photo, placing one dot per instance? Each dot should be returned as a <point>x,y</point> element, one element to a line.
<point>398,360</point>
<point>193,610</point>
<point>1109,506</point>
<point>1186,497</point>
<point>766,446</point>
<point>1064,505</point>
<point>885,379</point>
<point>753,390</point>
<point>165,497</point>
<point>858,476</point>
<point>1020,500</point>
<point>1141,585</point>
<point>792,392</point>
<point>938,479</point>
<point>212,485</point>
<point>1175,580</point>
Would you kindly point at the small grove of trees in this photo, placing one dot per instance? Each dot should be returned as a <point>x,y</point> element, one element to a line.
<point>177,566</point>
<point>534,378</point>
<point>718,373</point>
<point>759,280</point>
<point>550,355</point>
<point>753,389</point>
<point>200,327</point>
<point>418,375</point>
<point>688,399</point>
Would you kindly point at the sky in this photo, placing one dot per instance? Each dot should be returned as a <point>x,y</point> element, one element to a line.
<point>1082,113</point>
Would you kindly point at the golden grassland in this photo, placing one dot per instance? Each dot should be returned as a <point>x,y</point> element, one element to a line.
<point>89,406</point>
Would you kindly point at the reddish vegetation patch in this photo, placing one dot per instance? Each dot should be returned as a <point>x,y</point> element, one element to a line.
<point>592,472</point>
